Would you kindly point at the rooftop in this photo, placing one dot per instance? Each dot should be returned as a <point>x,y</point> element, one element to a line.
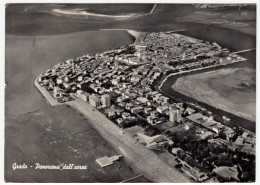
<point>227,172</point>
<point>107,161</point>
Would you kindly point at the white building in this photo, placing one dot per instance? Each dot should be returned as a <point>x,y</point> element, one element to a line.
<point>175,115</point>
<point>94,100</point>
<point>57,92</point>
<point>106,100</point>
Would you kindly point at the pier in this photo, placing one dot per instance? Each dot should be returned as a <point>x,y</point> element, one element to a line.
<point>153,9</point>
<point>243,51</point>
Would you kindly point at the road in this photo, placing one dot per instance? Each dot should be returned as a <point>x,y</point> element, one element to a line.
<point>142,159</point>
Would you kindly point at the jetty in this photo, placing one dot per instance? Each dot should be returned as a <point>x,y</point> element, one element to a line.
<point>245,50</point>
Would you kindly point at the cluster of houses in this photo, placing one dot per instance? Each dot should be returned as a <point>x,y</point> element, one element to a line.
<point>120,82</point>
<point>193,172</point>
<point>245,142</point>
<point>181,53</point>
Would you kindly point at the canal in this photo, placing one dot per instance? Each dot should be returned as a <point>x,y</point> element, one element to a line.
<point>234,41</point>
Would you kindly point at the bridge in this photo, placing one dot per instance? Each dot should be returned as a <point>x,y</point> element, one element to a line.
<point>243,51</point>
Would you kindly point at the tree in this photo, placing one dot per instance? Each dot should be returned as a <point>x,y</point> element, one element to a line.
<point>222,135</point>
<point>178,166</point>
<point>169,147</point>
<point>191,162</point>
<point>151,131</point>
<point>127,123</point>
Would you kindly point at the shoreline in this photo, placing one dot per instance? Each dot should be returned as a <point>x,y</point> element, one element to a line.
<point>240,121</point>
<point>165,173</point>
<point>45,93</point>
<point>133,33</point>
<point>134,153</point>
<point>136,34</point>
<point>223,25</point>
<point>199,69</point>
<point>79,12</point>
<point>218,103</point>
<point>69,33</point>
<point>140,158</point>
<point>85,13</point>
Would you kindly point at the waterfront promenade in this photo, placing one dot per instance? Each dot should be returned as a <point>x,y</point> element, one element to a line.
<point>199,69</point>
<point>141,159</point>
<point>166,83</point>
<point>45,93</point>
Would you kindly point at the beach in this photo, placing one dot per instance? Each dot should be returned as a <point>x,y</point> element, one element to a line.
<point>141,159</point>
<point>26,133</point>
<point>57,136</point>
<point>33,127</point>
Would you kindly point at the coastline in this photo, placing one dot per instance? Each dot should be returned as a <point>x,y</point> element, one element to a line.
<point>45,93</point>
<point>79,12</point>
<point>134,33</point>
<point>88,14</point>
<point>199,69</point>
<point>85,133</point>
<point>85,13</point>
<point>140,158</point>
<point>171,78</point>
<point>187,85</point>
<point>159,170</point>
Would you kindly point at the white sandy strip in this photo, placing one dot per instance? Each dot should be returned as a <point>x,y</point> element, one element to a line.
<point>79,12</point>
<point>85,13</point>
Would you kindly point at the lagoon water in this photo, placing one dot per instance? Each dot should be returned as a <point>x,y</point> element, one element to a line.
<point>37,41</point>
<point>234,41</point>
<point>29,56</point>
<point>230,89</point>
